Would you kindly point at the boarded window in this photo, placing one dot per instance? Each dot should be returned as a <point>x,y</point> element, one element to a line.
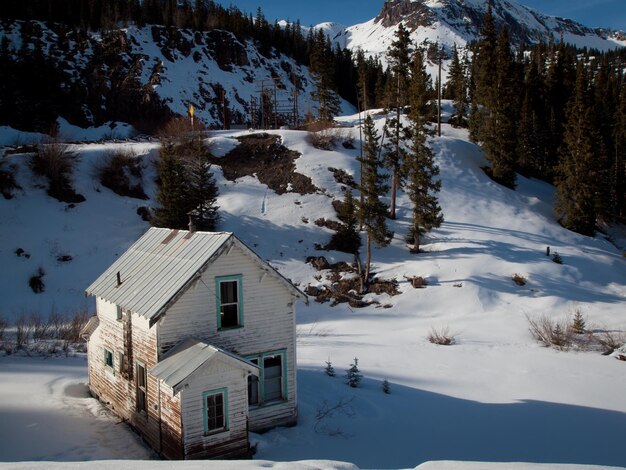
<point>273,377</point>
<point>215,411</point>
<point>142,388</point>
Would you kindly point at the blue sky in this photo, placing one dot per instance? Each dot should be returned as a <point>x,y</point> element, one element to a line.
<point>606,13</point>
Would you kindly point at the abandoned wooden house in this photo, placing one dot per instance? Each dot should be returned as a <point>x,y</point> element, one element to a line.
<point>194,343</point>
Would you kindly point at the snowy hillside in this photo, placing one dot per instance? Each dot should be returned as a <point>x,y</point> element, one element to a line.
<point>496,395</point>
<point>451,22</point>
<point>170,69</point>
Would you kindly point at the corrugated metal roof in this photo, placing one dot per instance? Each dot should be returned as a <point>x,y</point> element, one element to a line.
<point>90,327</point>
<point>187,357</point>
<point>156,267</point>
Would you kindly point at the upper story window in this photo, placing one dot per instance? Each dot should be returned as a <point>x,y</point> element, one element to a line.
<point>229,302</point>
<point>108,358</point>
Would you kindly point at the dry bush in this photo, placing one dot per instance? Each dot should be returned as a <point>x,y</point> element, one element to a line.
<point>55,162</point>
<point>443,336</point>
<point>22,332</point>
<point>610,340</point>
<point>418,282</point>
<point>121,172</point>
<point>519,279</point>
<point>178,130</point>
<point>70,330</point>
<point>323,135</point>
<point>552,333</point>
<point>3,326</point>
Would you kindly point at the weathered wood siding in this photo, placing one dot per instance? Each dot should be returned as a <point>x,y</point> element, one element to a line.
<point>231,443</point>
<point>171,424</point>
<point>268,325</point>
<point>114,387</point>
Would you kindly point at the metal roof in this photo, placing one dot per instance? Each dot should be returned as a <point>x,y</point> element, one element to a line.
<point>155,268</point>
<point>161,264</point>
<point>189,356</point>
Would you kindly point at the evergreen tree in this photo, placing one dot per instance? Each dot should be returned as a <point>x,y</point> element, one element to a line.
<point>203,191</point>
<point>619,165</point>
<point>347,238</point>
<point>456,90</point>
<point>577,181</point>
<point>372,210</point>
<point>172,191</point>
<point>322,72</point>
<point>386,387</point>
<point>353,374</point>
<point>329,369</point>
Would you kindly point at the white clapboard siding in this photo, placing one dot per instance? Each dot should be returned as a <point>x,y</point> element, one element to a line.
<point>268,319</point>
<point>215,375</point>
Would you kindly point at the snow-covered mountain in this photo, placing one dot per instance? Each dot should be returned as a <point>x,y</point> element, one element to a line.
<point>450,22</point>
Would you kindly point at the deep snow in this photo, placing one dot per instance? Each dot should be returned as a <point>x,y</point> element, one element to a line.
<point>495,396</point>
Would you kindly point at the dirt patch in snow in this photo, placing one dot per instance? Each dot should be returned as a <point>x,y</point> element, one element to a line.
<point>264,156</point>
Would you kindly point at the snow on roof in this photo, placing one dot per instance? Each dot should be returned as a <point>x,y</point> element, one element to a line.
<point>155,268</point>
<point>189,356</point>
<point>90,327</point>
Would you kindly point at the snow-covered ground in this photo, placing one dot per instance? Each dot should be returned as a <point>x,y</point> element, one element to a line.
<point>494,396</point>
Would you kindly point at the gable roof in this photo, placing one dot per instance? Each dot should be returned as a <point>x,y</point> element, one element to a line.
<point>182,361</point>
<point>162,264</point>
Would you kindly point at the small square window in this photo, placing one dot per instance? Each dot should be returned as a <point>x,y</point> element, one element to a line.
<point>108,358</point>
<point>118,313</point>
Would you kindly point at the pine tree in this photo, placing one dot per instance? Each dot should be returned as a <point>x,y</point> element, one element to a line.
<point>577,181</point>
<point>353,374</point>
<point>456,90</point>
<point>421,188</point>
<point>619,165</point>
<point>203,193</point>
<point>578,323</point>
<point>347,238</point>
<point>398,56</point>
<point>386,387</point>
<point>172,191</point>
<point>372,210</point>
<point>329,104</point>
<point>329,369</point>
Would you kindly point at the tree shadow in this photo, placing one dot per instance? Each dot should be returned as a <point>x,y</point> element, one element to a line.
<point>411,426</point>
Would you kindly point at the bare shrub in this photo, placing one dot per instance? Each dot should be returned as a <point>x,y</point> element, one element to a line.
<point>22,332</point>
<point>418,282</point>
<point>323,135</point>
<point>519,279</point>
<point>179,130</point>
<point>55,162</point>
<point>442,336</point>
<point>3,326</point>
<point>40,328</point>
<point>552,333</point>
<point>610,340</point>
<point>121,172</point>
<point>70,330</point>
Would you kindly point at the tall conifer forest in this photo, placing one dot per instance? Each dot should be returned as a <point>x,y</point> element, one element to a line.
<point>548,110</point>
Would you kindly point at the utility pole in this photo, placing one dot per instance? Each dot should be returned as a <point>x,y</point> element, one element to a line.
<point>440,54</point>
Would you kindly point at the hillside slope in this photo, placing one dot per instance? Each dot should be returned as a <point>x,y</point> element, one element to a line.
<point>495,395</point>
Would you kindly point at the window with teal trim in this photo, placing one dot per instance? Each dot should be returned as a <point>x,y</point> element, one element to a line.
<point>229,302</point>
<point>215,411</point>
<point>271,386</point>
<point>108,358</point>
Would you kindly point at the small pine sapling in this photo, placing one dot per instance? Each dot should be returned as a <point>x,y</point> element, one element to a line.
<point>353,375</point>
<point>578,323</point>
<point>329,369</point>
<point>556,257</point>
<point>386,387</point>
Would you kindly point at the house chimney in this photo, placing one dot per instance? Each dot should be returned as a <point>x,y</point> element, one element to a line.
<point>192,225</point>
<point>119,279</point>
